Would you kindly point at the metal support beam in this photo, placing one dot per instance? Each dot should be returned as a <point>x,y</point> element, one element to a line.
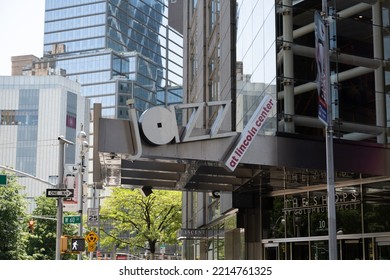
<point>380,99</point>
<point>288,65</point>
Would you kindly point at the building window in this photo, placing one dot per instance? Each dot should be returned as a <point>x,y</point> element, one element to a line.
<point>19,117</point>
<point>214,9</point>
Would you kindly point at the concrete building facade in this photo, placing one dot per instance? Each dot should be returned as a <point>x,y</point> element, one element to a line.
<point>34,112</point>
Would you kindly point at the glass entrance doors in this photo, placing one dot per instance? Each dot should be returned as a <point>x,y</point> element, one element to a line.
<point>382,248</point>
<point>271,251</point>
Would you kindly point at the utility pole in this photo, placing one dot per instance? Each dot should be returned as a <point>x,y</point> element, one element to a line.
<point>82,136</point>
<point>62,142</point>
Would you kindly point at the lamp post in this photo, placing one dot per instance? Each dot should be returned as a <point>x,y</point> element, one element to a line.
<point>81,137</point>
<point>62,142</point>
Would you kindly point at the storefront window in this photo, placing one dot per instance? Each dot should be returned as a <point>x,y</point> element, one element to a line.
<point>319,250</point>
<point>376,207</point>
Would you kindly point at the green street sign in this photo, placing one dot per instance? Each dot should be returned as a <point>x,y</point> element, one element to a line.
<point>3,179</point>
<point>72,220</point>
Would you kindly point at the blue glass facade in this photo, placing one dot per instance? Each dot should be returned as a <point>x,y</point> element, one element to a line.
<point>99,43</point>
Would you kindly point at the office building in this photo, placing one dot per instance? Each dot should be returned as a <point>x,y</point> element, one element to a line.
<point>117,50</point>
<point>270,48</point>
<point>255,186</point>
<point>34,112</point>
<point>21,61</point>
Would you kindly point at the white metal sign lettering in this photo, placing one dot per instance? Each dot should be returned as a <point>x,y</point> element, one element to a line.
<point>159,125</point>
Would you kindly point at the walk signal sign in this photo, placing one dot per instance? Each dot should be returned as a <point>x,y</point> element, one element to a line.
<point>78,244</point>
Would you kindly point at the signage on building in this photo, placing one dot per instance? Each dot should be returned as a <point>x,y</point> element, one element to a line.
<point>249,133</point>
<point>193,233</point>
<point>159,125</point>
<point>319,204</point>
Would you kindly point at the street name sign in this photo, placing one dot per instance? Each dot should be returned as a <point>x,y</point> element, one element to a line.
<point>72,220</point>
<point>3,179</point>
<point>59,193</point>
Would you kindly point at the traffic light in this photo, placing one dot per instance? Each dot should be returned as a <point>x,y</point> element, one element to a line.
<point>31,226</point>
<point>64,244</point>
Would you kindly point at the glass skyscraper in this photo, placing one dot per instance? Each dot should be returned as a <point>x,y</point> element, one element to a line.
<point>117,50</point>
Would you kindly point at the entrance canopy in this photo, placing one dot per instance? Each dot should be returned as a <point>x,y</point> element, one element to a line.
<point>122,159</point>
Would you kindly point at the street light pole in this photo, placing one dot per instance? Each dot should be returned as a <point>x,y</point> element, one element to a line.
<point>62,142</point>
<point>332,234</point>
<point>82,136</point>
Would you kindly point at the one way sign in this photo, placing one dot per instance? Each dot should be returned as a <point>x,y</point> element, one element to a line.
<point>59,193</point>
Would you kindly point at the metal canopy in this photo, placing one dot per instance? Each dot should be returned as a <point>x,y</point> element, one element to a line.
<point>173,174</point>
<point>199,165</point>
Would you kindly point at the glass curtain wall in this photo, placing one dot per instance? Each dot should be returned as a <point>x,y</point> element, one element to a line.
<point>100,42</point>
<point>296,224</point>
<point>256,56</point>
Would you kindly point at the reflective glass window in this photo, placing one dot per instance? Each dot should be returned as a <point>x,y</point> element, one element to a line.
<point>76,11</point>
<point>75,34</point>
<point>74,23</point>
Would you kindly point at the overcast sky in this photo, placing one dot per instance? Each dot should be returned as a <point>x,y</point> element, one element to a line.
<point>21,30</point>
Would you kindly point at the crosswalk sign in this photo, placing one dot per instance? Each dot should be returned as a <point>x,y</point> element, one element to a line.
<point>78,244</point>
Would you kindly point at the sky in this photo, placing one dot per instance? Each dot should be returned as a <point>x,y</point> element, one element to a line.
<point>21,30</point>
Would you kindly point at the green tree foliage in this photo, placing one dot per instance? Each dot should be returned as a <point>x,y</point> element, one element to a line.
<point>12,221</point>
<point>42,241</point>
<point>131,219</point>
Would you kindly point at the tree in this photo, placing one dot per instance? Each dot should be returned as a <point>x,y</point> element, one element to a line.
<point>42,241</point>
<point>13,221</point>
<point>136,220</point>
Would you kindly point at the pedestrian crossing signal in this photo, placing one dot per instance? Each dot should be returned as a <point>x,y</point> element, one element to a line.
<point>78,244</point>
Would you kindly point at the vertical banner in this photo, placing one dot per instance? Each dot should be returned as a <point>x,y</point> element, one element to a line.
<point>321,60</point>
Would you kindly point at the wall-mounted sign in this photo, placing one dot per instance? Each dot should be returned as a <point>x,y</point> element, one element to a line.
<point>249,133</point>
<point>193,233</point>
<point>158,125</point>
